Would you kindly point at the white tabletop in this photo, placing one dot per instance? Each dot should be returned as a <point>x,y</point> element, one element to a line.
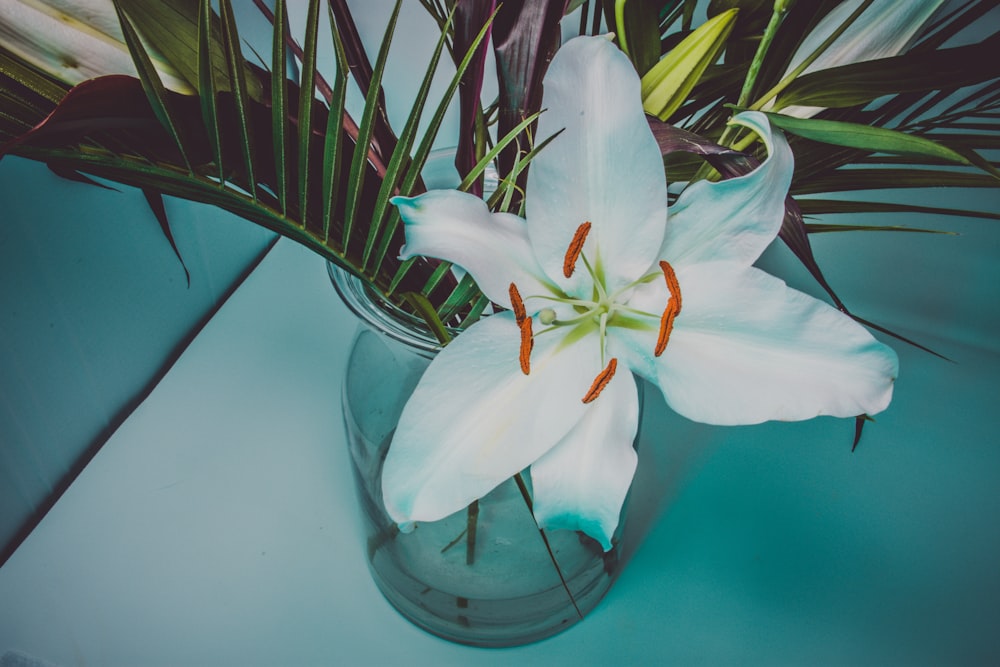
<point>218,525</point>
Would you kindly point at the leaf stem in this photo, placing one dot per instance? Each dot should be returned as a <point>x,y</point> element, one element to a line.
<point>777,16</point>
<point>527,501</point>
<point>790,77</point>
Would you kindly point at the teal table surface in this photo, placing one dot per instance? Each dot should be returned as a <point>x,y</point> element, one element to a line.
<point>218,525</point>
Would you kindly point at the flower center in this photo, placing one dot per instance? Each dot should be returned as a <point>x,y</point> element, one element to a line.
<point>597,312</point>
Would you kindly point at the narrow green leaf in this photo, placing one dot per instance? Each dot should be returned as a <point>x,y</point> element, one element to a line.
<point>477,310</point>
<point>441,271</point>
<point>426,311</point>
<point>669,82</point>
<point>837,206</point>
<point>638,32</point>
<point>151,83</point>
<point>36,82</point>
<point>307,94</point>
<point>864,137</point>
<point>424,148</point>
<point>401,272</point>
<point>464,292</point>
<point>401,154</point>
<point>485,161</point>
<point>860,83</point>
<point>237,78</point>
<point>279,103</point>
<point>332,153</point>
<point>815,228</point>
<point>171,28</point>
<point>879,179</point>
<point>504,192</point>
<point>360,159</point>
<point>206,85</point>
<point>890,332</point>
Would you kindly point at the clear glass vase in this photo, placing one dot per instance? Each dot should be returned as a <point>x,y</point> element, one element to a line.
<point>484,576</point>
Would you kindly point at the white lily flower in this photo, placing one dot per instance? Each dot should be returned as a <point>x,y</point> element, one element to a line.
<point>74,40</point>
<point>885,29</point>
<point>601,287</point>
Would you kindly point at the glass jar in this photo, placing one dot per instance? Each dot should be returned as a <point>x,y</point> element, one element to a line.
<point>485,576</point>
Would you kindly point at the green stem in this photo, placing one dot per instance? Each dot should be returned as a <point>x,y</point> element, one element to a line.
<point>777,16</point>
<point>470,532</point>
<point>781,8</point>
<point>787,80</point>
<point>527,501</point>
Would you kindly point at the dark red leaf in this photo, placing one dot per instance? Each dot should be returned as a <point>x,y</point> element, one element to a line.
<point>155,201</point>
<point>361,70</point>
<point>525,37</point>
<point>470,17</point>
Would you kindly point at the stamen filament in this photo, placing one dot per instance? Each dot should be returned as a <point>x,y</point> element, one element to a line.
<point>575,248</point>
<point>672,309</point>
<point>601,295</point>
<point>601,381</point>
<point>603,331</point>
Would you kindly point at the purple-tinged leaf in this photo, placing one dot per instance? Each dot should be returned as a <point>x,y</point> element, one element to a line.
<point>71,174</point>
<point>470,17</point>
<point>155,201</point>
<point>361,69</point>
<point>109,102</point>
<point>859,424</point>
<point>525,37</point>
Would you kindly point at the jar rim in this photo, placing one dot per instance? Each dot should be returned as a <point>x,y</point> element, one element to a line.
<point>380,314</point>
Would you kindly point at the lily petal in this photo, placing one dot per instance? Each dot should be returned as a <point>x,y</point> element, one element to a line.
<point>733,220</point>
<point>475,419</point>
<point>581,483</point>
<point>458,227</point>
<point>747,348</point>
<point>605,168</point>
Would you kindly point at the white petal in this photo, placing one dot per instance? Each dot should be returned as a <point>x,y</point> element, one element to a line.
<point>732,220</point>
<point>458,227</point>
<point>746,348</point>
<point>475,419</point>
<point>581,483</point>
<point>605,168</point>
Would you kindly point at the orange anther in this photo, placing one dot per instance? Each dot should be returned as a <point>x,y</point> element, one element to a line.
<point>601,381</point>
<point>527,342</point>
<point>671,311</point>
<point>516,304</point>
<point>575,248</point>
